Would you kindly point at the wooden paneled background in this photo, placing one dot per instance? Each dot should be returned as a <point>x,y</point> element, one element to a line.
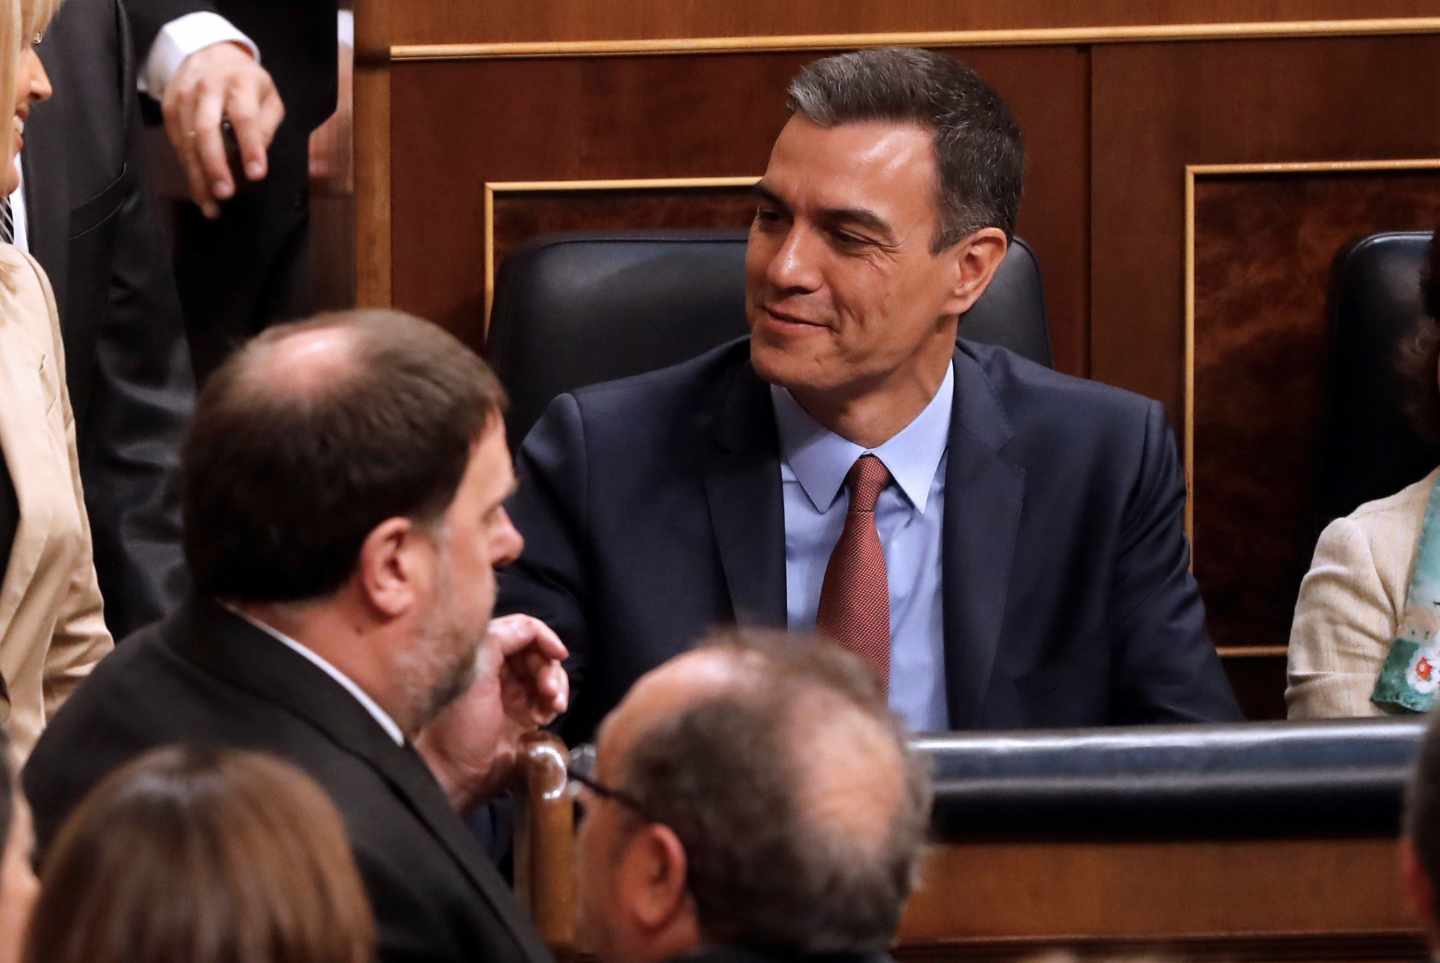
<point>1117,99</point>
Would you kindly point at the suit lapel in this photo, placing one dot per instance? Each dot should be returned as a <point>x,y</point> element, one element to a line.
<point>742,486</point>
<point>407,772</point>
<point>231,648</point>
<point>983,497</point>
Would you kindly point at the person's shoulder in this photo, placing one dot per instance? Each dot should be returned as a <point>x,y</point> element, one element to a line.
<point>1021,383</point>
<point>143,651</point>
<point>696,375</point>
<point>1384,530</point>
<point>1057,418</point>
<point>25,280</point>
<point>1407,505</point>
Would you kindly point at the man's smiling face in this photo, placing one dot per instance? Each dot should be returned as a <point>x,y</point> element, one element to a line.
<point>844,297</point>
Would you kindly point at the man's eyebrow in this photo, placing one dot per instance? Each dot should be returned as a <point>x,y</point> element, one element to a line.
<point>768,196</point>
<point>859,216</point>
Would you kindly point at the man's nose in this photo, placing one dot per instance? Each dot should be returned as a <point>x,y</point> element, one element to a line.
<point>795,263</point>
<point>509,542</point>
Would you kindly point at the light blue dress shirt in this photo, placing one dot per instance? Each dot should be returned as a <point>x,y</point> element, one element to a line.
<point>909,515</point>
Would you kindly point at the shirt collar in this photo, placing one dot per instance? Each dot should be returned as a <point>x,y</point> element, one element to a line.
<point>361,696</point>
<point>821,459</point>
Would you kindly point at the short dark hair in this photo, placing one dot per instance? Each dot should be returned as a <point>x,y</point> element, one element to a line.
<point>979,150</point>
<point>282,482</point>
<point>731,776</point>
<point>202,854</point>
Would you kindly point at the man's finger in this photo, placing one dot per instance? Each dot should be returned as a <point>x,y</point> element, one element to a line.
<point>255,111</point>
<point>210,144</point>
<point>181,102</point>
<point>556,684</point>
<point>516,632</point>
<point>272,112</point>
<point>242,110</point>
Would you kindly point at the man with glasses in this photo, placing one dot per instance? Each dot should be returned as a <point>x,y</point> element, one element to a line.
<point>749,801</point>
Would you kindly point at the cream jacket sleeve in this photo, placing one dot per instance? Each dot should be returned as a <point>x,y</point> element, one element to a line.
<point>81,638</point>
<point>1349,606</point>
<point>52,629</point>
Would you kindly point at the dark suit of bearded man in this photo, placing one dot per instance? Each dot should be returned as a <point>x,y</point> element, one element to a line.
<point>210,676</point>
<point>91,226</point>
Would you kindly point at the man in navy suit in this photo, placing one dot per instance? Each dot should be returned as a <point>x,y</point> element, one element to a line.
<point>1024,563</point>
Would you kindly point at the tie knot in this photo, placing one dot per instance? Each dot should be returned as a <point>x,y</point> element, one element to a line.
<point>867,479</point>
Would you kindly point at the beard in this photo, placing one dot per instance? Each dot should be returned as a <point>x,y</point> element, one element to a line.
<point>440,665</point>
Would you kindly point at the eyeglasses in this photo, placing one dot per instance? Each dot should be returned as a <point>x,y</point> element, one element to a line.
<point>581,772</point>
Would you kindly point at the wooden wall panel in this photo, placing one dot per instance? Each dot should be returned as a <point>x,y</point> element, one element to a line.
<point>560,20</point>
<point>1264,248</point>
<point>1159,107</point>
<point>457,125</point>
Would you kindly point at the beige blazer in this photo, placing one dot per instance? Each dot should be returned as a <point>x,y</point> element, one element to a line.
<point>52,630</point>
<point>1349,607</point>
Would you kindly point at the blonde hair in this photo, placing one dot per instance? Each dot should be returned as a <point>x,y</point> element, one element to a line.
<point>21,21</point>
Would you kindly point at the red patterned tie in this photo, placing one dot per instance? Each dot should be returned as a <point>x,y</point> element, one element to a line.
<point>855,599</point>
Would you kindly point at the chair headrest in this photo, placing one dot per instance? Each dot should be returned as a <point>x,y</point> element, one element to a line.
<point>576,309</point>
<point>1369,447</point>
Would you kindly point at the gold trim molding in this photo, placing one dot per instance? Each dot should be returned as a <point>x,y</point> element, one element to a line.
<point>493,188</point>
<point>1194,171</point>
<point>1027,37</point>
<point>1234,652</point>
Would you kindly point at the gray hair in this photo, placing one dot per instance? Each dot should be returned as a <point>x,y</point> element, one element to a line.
<point>785,847</point>
<point>979,151</point>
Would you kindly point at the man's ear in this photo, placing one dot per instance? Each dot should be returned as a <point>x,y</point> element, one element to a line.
<point>390,566</point>
<point>655,885</point>
<point>1419,890</point>
<point>975,260</point>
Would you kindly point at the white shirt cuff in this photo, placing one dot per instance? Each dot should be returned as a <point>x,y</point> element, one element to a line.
<point>345,28</point>
<point>179,39</point>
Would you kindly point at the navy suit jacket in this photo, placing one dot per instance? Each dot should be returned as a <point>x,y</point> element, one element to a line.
<point>651,510</point>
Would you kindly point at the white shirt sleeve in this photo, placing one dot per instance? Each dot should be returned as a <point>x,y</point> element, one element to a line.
<point>345,28</point>
<point>179,39</point>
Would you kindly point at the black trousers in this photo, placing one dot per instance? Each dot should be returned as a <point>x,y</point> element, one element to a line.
<point>249,268</point>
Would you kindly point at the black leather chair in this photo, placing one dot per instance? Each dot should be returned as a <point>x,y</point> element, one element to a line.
<point>1369,449</point>
<point>1281,779</point>
<point>576,309</point>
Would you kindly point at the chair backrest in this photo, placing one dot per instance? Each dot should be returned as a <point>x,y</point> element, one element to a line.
<point>1369,447</point>
<point>576,309</point>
